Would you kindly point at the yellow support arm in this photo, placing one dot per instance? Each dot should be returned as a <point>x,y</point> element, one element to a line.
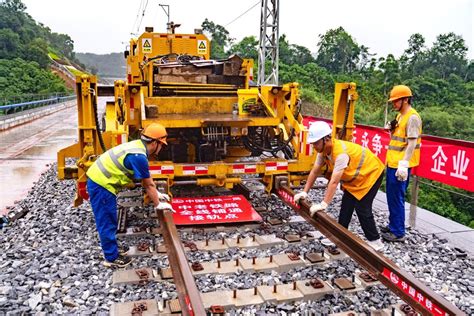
<point>345,95</point>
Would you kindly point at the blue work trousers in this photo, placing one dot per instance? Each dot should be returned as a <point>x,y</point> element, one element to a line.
<point>104,206</point>
<point>396,191</point>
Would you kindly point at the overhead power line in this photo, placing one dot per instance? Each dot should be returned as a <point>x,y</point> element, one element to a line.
<point>139,18</point>
<point>258,2</point>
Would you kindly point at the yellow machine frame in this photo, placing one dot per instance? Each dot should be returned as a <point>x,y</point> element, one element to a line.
<point>203,107</point>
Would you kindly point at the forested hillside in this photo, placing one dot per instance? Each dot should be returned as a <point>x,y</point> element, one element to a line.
<point>109,65</point>
<point>440,75</point>
<point>25,50</point>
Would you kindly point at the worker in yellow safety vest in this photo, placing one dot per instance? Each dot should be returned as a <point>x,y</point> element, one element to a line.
<point>358,170</point>
<point>113,170</point>
<point>403,154</point>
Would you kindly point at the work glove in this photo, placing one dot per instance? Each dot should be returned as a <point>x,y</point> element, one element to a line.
<point>402,170</point>
<point>317,207</point>
<point>163,196</point>
<point>301,195</point>
<point>165,206</point>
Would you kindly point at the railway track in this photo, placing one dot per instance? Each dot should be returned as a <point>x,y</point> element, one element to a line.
<point>281,261</point>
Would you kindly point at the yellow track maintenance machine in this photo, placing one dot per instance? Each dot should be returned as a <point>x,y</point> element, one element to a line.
<point>221,126</point>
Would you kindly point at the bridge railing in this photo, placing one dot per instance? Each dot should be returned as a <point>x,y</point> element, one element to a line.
<point>22,106</point>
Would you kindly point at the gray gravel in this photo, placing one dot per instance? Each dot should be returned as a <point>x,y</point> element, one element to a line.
<point>51,261</point>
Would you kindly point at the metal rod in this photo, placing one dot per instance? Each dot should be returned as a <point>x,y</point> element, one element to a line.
<point>386,270</point>
<point>188,294</point>
<point>414,200</point>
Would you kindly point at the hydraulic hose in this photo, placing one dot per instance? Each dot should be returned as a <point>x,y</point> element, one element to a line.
<point>96,117</point>
<point>253,146</point>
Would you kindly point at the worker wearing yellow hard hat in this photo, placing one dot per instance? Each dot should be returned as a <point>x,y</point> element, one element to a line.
<point>403,154</point>
<point>113,170</point>
<point>359,171</point>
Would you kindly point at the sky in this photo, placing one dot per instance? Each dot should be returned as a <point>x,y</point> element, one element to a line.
<point>105,26</point>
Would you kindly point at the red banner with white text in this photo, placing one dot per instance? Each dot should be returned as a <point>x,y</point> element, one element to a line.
<point>444,160</point>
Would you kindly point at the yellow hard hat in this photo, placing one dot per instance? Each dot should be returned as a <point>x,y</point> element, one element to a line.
<point>156,131</point>
<point>398,92</point>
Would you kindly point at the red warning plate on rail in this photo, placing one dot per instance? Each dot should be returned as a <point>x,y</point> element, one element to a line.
<point>407,288</point>
<point>213,210</point>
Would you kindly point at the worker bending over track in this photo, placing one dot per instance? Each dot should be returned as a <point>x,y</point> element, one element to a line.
<point>360,173</point>
<point>403,154</point>
<point>113,170</point>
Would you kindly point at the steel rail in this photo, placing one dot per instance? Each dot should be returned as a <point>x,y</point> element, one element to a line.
<point>405,285</point>
<point>188,294</point>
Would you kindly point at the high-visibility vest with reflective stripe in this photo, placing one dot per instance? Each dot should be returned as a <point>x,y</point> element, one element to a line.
<point>398,142</point>
<point>363,170</point>
<point>109,170</point>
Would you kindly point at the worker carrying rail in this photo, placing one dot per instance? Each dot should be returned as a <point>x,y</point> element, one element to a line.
<point>359,171</point>
<point>113,170</point>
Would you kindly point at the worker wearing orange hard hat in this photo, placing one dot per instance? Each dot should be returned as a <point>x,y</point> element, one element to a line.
<point>113,170</point>
<point>403,154</point>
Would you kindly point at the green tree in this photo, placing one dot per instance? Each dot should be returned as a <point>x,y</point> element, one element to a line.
<point>414,59</point>
<point>293,54</point>
<point>37,51</point>
<point>390,74</point>
<point>24,77</point>
<point>338,52</point>
<point>246,48</point>
<point>365,65</point>
<point>9,43</point>
<point>301,55</point>
<point>31,40</point>
<point>63,43</point>
<point>12,14</point>
<point>220,38</point>
<point>448,55</point>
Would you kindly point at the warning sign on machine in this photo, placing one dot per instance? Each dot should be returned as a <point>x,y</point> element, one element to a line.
<point>146,45</point>
<point>202,47</point>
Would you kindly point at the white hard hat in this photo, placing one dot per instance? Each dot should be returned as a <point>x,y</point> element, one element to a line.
<point>318,130</point>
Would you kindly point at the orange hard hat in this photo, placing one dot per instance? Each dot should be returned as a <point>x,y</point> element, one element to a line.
<point>398,92</point>
<point>156,131</point>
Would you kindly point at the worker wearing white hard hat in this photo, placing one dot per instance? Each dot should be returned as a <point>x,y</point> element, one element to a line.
<point>358,170</point>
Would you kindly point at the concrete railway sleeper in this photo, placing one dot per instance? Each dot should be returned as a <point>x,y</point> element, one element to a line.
<point>184,271</point>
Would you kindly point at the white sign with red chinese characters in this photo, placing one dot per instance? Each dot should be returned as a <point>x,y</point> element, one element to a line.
<point>213,210</point>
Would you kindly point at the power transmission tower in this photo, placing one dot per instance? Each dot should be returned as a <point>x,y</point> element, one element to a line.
<point>268,44</point>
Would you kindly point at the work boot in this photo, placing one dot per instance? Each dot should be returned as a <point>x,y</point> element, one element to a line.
<point>120,262</point>
<point>376,244</point>
<point>123,249</point>
<point>392,238</point>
